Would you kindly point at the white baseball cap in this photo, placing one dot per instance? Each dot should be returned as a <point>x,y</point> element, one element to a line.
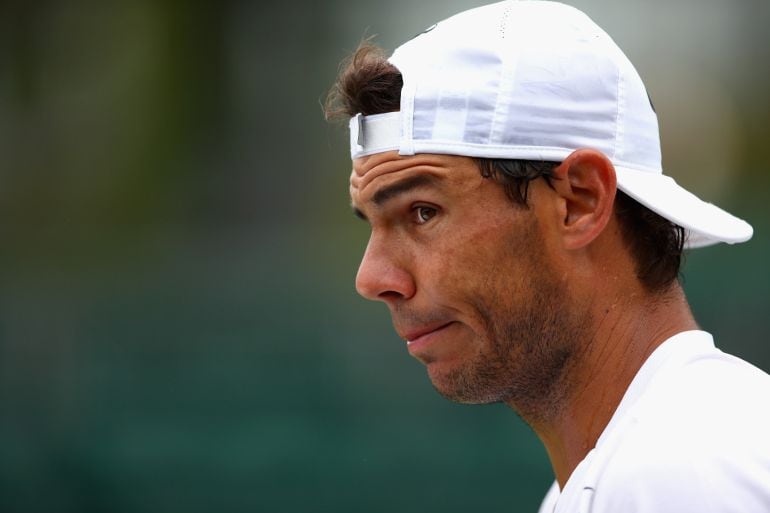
<point>535,80</point>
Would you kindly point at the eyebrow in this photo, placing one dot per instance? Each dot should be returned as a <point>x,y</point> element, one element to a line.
<point>386,194</point>
<point>407,184</point>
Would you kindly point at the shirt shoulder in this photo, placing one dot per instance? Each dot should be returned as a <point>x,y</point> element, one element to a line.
<point>684,478</point>
<point>697,442</point>
<point>549,501</point>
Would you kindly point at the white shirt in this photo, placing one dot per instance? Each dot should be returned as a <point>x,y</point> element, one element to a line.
<point>691,434</point>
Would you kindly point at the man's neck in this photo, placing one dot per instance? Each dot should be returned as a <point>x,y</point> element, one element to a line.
<point>627,331</point>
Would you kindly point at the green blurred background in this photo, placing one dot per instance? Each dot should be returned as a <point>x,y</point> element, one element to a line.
<point>178,325</point>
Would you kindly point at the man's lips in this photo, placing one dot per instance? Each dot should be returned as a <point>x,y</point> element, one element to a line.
<point>421,334</point>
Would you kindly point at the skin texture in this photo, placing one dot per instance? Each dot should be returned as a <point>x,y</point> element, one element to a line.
<point>535,307</point>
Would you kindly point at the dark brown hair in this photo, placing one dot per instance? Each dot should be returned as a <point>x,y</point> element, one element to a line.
<point>369,84</point>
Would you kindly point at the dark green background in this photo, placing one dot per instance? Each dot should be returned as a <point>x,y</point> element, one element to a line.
<point>178,325</point>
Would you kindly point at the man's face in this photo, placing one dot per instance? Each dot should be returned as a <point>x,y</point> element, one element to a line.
<point>467,276</point>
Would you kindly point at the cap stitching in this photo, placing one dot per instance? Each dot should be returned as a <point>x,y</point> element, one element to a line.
<point>408,92</point>
<point>505,88</point>
<point>504,21</point>
<point>620,117</point>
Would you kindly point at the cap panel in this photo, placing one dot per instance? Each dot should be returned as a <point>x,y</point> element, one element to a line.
<point>455,71</point>
<point>493,75</point>
<point>639,140</point>
<point>569,101</point>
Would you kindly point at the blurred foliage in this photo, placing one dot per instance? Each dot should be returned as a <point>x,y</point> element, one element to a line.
<point>178,326</point>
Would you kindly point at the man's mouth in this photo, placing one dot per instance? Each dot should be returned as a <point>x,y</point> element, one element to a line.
<point>419,338</point>
<point>420,331</point>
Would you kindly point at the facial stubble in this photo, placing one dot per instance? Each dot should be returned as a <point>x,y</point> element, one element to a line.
<point>531,339</point>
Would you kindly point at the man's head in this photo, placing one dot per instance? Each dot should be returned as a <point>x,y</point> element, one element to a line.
<point>500,218</point>
<point>369,84</point>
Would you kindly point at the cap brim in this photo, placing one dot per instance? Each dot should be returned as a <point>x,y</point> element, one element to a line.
<point>705,223</point>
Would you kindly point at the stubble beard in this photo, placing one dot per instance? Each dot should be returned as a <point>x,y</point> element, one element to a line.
<point>527,354</point>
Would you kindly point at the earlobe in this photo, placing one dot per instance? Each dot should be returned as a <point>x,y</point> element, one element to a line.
<point>586,182</point>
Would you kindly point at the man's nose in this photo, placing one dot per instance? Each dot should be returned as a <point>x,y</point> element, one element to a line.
<point>381,276</point>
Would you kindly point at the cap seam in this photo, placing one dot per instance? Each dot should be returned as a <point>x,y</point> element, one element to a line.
<point>620,117</point>
<point>408,93</point>
<point>503,101</point>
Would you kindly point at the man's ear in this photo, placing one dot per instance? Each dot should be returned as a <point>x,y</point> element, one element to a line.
<point>586,184</point>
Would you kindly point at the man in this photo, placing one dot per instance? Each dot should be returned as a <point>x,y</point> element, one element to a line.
<point>528,246</point>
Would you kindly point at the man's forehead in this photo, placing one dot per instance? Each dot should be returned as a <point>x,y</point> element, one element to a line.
<point>367,169</point>
<point>382,168</point>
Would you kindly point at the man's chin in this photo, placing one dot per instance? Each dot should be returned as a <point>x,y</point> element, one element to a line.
<point>461,388</point>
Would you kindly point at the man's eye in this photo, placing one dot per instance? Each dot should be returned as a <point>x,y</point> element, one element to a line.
<point>424,214</point>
